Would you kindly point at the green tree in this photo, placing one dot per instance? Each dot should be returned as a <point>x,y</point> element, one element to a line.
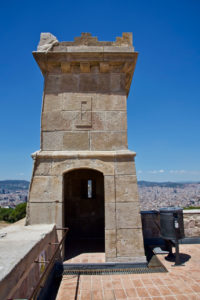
<point>13,215</point>
<point>5,213</point>
<point>18,213</point>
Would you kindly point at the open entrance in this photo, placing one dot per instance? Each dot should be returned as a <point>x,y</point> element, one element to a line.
<point>84,211</point>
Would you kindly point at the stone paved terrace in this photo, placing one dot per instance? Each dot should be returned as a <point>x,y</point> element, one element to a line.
<point>182,282</point>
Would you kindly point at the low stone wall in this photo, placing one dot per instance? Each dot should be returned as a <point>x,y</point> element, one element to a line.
<point>192,222</point>
<point>151,223</point>
<point>20,246</point>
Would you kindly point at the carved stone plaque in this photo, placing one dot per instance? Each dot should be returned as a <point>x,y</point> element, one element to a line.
<point>84,117</point>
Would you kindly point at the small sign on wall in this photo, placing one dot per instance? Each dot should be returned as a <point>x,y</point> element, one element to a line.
<point>42,262</point>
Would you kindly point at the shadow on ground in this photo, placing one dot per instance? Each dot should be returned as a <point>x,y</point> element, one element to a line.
<point>182,256</point>
<point>76,247</point>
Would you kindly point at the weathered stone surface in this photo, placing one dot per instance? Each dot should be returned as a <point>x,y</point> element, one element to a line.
<point>46,189</point>
<point>104,67</point>
<point>76,120</point>
<point>88,83</point>
<point>60,166</point>
<point>107,102</point>
<point>125,166</point>
<point>47,40</point>
<point>94,82</point>
<point>52,140</point>
<point>46,213</point>
<point>117,82</point>
<point>76,141</point>
<point>115,120</point>
<point>85,67</point>
<point>110,216</point>
<point>126,188</point>
<point>98,121</point>
<point>109,188</point>
<point>43,167</point>
<point>129,242</point>
<point>65,67</point>
<point>72,101</point>
<point>69,83</point>
<point>52,84</point>
<point>59,121</point>
<point>110,243</point>
<point>128,215</point>
<point>104,82</point>
<point>52,102</point>
<point>108,140</point>
<point>192,223</point>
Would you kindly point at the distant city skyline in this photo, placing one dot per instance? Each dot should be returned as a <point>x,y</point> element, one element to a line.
<point>164,100</point>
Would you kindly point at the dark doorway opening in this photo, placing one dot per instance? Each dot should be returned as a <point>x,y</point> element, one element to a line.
<point>84,212</point>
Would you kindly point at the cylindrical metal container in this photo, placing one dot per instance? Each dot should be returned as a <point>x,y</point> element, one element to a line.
<point>171,223</point>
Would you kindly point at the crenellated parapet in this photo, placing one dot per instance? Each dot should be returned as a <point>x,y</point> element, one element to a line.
<point>86,39</point>
<point>88,55</point>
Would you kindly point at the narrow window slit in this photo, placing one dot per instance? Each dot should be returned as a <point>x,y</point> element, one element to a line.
<point>89,188</point>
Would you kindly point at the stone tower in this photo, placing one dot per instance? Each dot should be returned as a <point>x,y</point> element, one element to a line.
<point>84,175</point>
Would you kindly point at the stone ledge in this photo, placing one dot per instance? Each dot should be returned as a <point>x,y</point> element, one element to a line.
<point>18,241</point>
<point>191,211</point>
<point>20,246</point>
<point>82,154</point>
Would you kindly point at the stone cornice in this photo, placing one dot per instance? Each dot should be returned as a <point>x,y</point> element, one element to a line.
<point>83,154</point>
<point>88,62</point>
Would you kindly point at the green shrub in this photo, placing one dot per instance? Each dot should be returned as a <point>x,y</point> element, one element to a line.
<point>5,213</point>
<point>13,215</point>
<point>192,207</point>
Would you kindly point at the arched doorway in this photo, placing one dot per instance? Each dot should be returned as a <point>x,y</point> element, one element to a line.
<point>84,211</point>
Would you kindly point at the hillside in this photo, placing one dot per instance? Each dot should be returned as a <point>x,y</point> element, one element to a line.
<point>14,185</point>
<point>164,184</point>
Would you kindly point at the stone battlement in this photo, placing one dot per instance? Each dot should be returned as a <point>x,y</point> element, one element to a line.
<point>49,43</point>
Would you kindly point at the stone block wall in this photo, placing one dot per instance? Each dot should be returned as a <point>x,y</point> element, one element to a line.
<point>123,239</point>
<point>75,121</point>
<point>192,222</point>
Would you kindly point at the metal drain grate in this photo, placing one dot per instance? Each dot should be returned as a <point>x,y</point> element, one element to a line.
<point>114,271</point>
<point>114,268</point>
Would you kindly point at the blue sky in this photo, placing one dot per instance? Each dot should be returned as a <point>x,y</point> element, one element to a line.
<point>164,100</point>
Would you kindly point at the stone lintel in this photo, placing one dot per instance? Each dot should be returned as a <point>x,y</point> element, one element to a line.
<point>82,154</point>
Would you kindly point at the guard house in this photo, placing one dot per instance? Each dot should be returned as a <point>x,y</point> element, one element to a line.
<point>84,175</point>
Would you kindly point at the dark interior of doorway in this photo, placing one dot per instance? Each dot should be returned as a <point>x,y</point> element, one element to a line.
<point>84,212</point>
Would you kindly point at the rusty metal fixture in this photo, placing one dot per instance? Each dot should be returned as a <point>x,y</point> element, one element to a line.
<point>48,268</point>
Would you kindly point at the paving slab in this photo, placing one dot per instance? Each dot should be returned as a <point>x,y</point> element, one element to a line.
<point>180,282</point>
